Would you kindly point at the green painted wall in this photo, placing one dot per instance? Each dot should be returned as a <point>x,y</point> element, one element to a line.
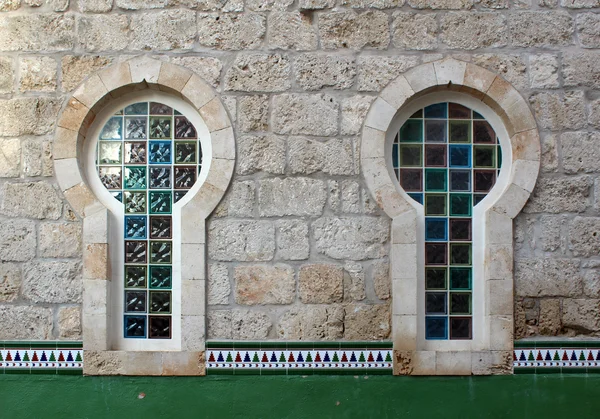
<point>523,396</point>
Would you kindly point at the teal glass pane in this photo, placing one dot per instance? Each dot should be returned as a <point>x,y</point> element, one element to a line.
<point>436,180</point>
<point>412,131</point>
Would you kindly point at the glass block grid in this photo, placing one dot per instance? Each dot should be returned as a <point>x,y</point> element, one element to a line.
<point>148,157</point>
<point>447,157</point>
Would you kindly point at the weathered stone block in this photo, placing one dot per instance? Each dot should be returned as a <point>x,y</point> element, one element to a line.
<point>95,6</point>
<point>10,157</point>
<point>312,323</point>
<point>69,323</point>
<point>308,156</point>
<point>17,240</point>
<point>550,232</point>
<point>315,4</point>
<point>167,30</point>
<point>588,26</point>
<point>591,283</point>
<point>380,273</point>
<point>239,202</point>
<point>25,322</point>
<point>541,29</point>
<point>367,322</point>
<point>253,113</point>
<point>291,30</point>
<point>208,68</point>
<point>550,323</point>
<point>9,5</point>
<point>77,68</point>
<point>375,4</point>
<point>441,4</point>
<point>354,111</point>
<point>218,284</point>
<point>28,116</point>
<point>354,282</point>
<point>513,68</point>
<point>259,73</point>
<point>305,114</point>
<point>580,4</point>
<point>141,4</point>
<point>594,113</point>
<point>316,71</point>
<point>582,316</point>
<point>262,5</point>
<point>355,31</point>
<point>45,32</point>
<point>103,32</point>
<point>37,74</point>
<point>556,195</point>
<point>6,75</point>
<point>238,324</point>
<point>321,284</point>
<point>580,152</point>
<point>291,196</point>
<point>10,281</point>
<point>581,69</point>
<point>52,282</point>
<point>472,30</point>
<point>263,284</point>
<point>292,239</point>
<point>584,235</point>
<point>241,240</point>
<point>232,31</point>
<point>555,111</point>
<point>59,240</point>
<point>375,72</point>
<point>31,199</point>
<point>261,153</point>
<point>547,278</point>
<point>354,238</point>
<point>415,31</point>
<point>544,71</point>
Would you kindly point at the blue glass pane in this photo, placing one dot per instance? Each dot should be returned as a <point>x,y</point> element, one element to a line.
<point>436,229</point>
<point>436,328</point>
<point>417,197</point>
<point>460,156</point>
<point>439,110</point>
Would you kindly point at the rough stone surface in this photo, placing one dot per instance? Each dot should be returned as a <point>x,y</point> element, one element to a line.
<point>261,153</point>
<point>353,113</point>
<point>208,68</point>
<point>292,240</point>
<point>321,284</point>
<point>238,324</point>
<point>59,240</point>
<point>354,31</point>
<point>43,32</point>
<point>168,30</point>
<point>316,71</point>
<point>291,31</point>
<point>17,240</point>
<point>28,116</point>
<point>69,323</point>
<point>52,282</point>
<point>556,111</point>
<point>259,73</point>
<point>544,71</point>
<point>219,288</point>
<point>253,113</point>
<point>241,240</point>
<point>10,281</point>
<point>375,72</point>
<point>291,196</point>
<point>541,29</point>
<point>581,69</point>
<point>367,322</point>
<point>95,6</point>
<point>355,238</point>
<point>25,322</point>
<point>513,68</point>
<point>354,282</point>
<point>581,316</point>
<point>415,31</point>
<point>103,32</point>
<point>37,74</point>
<point>550,317</point>
<point>588,28</point>
<point>548,278</point>
<point>239,202</point>
<point>305,114</point>
<point>10,157</point>
<point>580,152</point>
<point>77,68</point>
<point>308,156</point>
<point>263,5</point>
<point>261,284</point>
<point>472,30</point>
<point>231,31</point>
<point>381,279</point>
<point>6,75</point>
<point>312,323</point>
<point>556,195</point>
<point>32,199</point>
<point>584,235</point>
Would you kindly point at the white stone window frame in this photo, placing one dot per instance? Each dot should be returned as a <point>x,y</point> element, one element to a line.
<point>443,81</point>
<point>116,84</point>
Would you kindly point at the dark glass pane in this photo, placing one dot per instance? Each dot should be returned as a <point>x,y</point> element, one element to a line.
<point>460,131</point>
<point>477,198</point>
<point>160,228</point>
<point>417,197</point>
<point>484,180</point>
<point>435,180</point>
<point>135,128</point>
<point>185,177</point>
<point>135,152</point>
<point>411,180</point>
<point>499,157</point>
<point>460,180</point>
<point>439,110</point>
<point>456,111</point>
<point>460,204</point>
<point>135,227</point>
<point>417,114</point>
<point>484,133</point>
<point>160,109</point>
<point>411,155</point>
<point>460,278</point>
<point>395,156</point>
<point>460,155</point>
<point>177,195</point>
<point>435,303</point>
<point>436,253</point>
<point>160,177</point>
<point>135,326</point>
<point>185,152</point>
<point>460,303</point>
<point>436,229</point>
<point>135,276</point>
<point>160,327</point>
<point>140,108</point>
<point>435,204</point>
<point>460,229</point>
<point>184,128</point>
<point>484,156</point>
<point>135,301</point>
<point>435,278</point>
<point>436,328</point>
<point>435,155</point>
<point>460,328</point>
<point>460,254</point>
<point>161,277</point>
<point>160,202</point>
<point>161,252</point>
<point>160,127</point>
<point>435,131</point>
<point>160,301</point>
<point>477,115</point>
<point>135,202</point>
<point>160,152</point>
<point>118,196</point>
<point>135,251</point>
<point>412,131</point>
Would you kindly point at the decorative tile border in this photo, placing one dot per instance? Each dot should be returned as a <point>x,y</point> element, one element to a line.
<point>547,356</point>
<point>41,357</point>
<point>305,358</point>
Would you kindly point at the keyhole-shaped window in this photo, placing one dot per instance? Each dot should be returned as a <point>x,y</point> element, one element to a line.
<point>447,158</point>
<point>148,156</point>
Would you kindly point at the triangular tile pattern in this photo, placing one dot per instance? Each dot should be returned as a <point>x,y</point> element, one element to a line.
<point>29,357</point>
<point>284,360</point>
<point>563,357</point>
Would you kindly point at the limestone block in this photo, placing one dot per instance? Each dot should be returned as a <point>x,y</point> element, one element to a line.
<point>308,156</point>
<point>31,199</point>
<point>499,228</point>
<point>46,32</point>
<point>223,144</point>
<point>550,317</point>
<point>382,283</point>
<point>76,68</point>
<point>219,324</point>
<point>291,196</point>
<point>315,114</point>
<point>550,232</point>
<point>584,236</point>
<point>259,73</point>
<point>141,4</point>
<point>541,29</point>
<point>580,4</point>
<point>594,113</point>
<point>219,288</point>
<point>478,78</point>
<point>512,68</point>
<point>544,71</point>
<point>10,157</point>
<point>354,238</point>
<point>8,5</point>
<point>473,30</point>
<point>25,322</point>
<point>579,152</point>
<point>193,297</point>
<point>373,145</point>
<point>500,296</point>
<point>197,92</point>
<point>376,4</point>
<point>414,31</point>
<point>241,240</point>
<point>591,283</point>
<point>59,240</point>
<point>453,363</point>
<point>380,115</point>
<point>95,261</point>
<point>404,261</point>
<point>214,115</point>
<point>263,284</point>
<point>367,322</point>
<point>193,333</point>
<point>581,315</point>
<point>102,362</point>
<point>69,323</point>
<point>28,116</point>
<point>333,187</point>
<point>292,239</point>
<point>525,146</point>
<point>353,112</point>
<point>354,282</point>
<point>232,31</point>
<point>253,113</point>
<point>450,71</point>
<point>208,68</point>
<point>441,4</point>
<point>52,282</point>
<point>103,32</point>
<point>115,76</point>
<point>421,77</point>
<point>291,31</point>
<point>354,31</point>
<point>547,278</point>
<point>321,284</point>
<point>315,4</point>
<point>350,197</point>
<point>95,297</point>
<point>588,28</point>
<point>375,72</point>
<point>194,256</point>
<point>261,153</point>
<point>316,71</point>
<point>262,5</point>
<point>10,281</point>
<point>238,324</point>
<point>167,30</point>
<point>557,195</point>
<point>404,332</point>
<point>6,75</point>
<point>183,363</point>
<point>94,6</point>
<point>37,74</point>
<point>581,69</point>
<point>240,200</point>
<point>312,323</point>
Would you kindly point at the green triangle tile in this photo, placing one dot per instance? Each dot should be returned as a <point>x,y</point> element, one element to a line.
<point>309,358</point>
<point>255,358</point>
<point>530,358</point>
<point>361,358</point>
<point>26,357</point>
<point>388,357</point>
<point>282,357</point>
<point>52,357</point>
<point>335,358</point>
<point>229,358</point>
<point>78,357</point>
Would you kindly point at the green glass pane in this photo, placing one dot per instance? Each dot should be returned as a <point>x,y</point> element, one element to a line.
<point>435,278</point>
<point>460,131</point>
<point>411,155</point>
<point>460,253</point>
<point>436,180</point>
<point>135,202</point>
<point>460,303</point>
<point>460,278</point>
<point>135,177</point>
<point>412,131</point>
<point>460,204</point>
<point>135,276</point>
<point>484,156</point>
<point>140,108</point>
<point>160,202</point>
<point>435,204</point>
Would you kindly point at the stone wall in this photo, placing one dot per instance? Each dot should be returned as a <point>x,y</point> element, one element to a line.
<point>298,250</point>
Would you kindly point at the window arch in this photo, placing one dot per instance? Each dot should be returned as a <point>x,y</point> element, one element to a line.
<point>419,347</point>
